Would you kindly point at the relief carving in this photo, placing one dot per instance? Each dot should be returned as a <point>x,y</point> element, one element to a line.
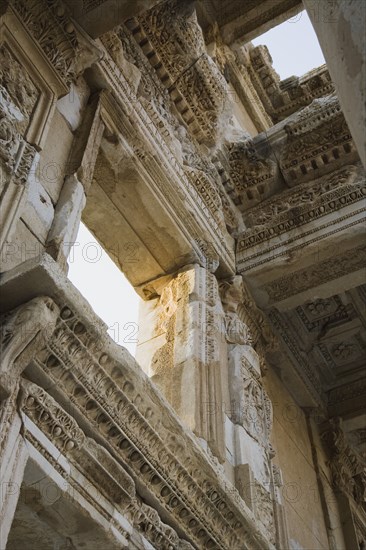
<point>9,140</point>
<point>68,50</point>
<point>256,407</point>
<point>17,90</point>
<point>347,466</point>
<point>250,173</point>
<point>304,195</point>
<point>172,40</point>
<point>282,98</point>
<point>317,274</point>
<point>250,404</point>
<point>318,139</point>
<point>125,410</point>
<point>59,426</point>
<point>23,331</point>
<point>302,205</point>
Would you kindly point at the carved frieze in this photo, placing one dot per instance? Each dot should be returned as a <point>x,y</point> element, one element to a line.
<point>50,25</point>
<point>107,394</point>
<point>317,274</point>
<point>100,468</point>
<point>302,205</point>
<point>18,97</point>
<point>318,140</point>
<point>209,193</point>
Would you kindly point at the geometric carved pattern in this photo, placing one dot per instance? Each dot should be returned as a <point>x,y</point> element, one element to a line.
<point>330,334</point>
<point>330,311</point>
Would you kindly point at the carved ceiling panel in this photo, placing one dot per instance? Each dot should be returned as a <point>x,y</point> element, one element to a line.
<point>330,336</point>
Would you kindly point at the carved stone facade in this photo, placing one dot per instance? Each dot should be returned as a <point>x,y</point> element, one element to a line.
<point>234,204</point>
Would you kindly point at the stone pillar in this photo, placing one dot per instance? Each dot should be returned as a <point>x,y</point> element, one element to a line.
<point>347,468</point>
<point>182,347</point>
<point>250,408</point>
<point>23,331</point>
<point>340,28</point>
<point>77,182</point>
<point>13,459</point>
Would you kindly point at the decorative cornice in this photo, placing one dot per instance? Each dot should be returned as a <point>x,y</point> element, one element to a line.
<point>302,205</point>
<point>99,467</point>
<point>157,158</point>
<point>245,262</point>
<point>109,393</point>
<point>172,40</point>
<point>282,98</point>
<point>303,368</point>
<point>347,392</point>
<point>57,425</point>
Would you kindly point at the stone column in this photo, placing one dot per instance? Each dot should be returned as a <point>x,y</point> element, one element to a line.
<point>347,468</point>
<point>23,331</point>
<point>250,407</point>
<point>182,347</point>
<point>340,28</point>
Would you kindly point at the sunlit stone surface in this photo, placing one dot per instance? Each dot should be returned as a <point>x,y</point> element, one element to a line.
<point>234,204</point>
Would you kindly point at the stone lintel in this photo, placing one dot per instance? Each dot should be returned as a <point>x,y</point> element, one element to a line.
<point>97,17</point>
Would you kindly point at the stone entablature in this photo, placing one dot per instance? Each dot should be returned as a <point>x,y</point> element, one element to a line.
<point>152,130</point>
<point>118,406</point>
<point>172,40</point>
<point>303,205</point>
<point>283,98</point>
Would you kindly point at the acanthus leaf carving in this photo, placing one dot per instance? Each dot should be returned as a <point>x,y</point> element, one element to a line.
<point>67,48</point>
